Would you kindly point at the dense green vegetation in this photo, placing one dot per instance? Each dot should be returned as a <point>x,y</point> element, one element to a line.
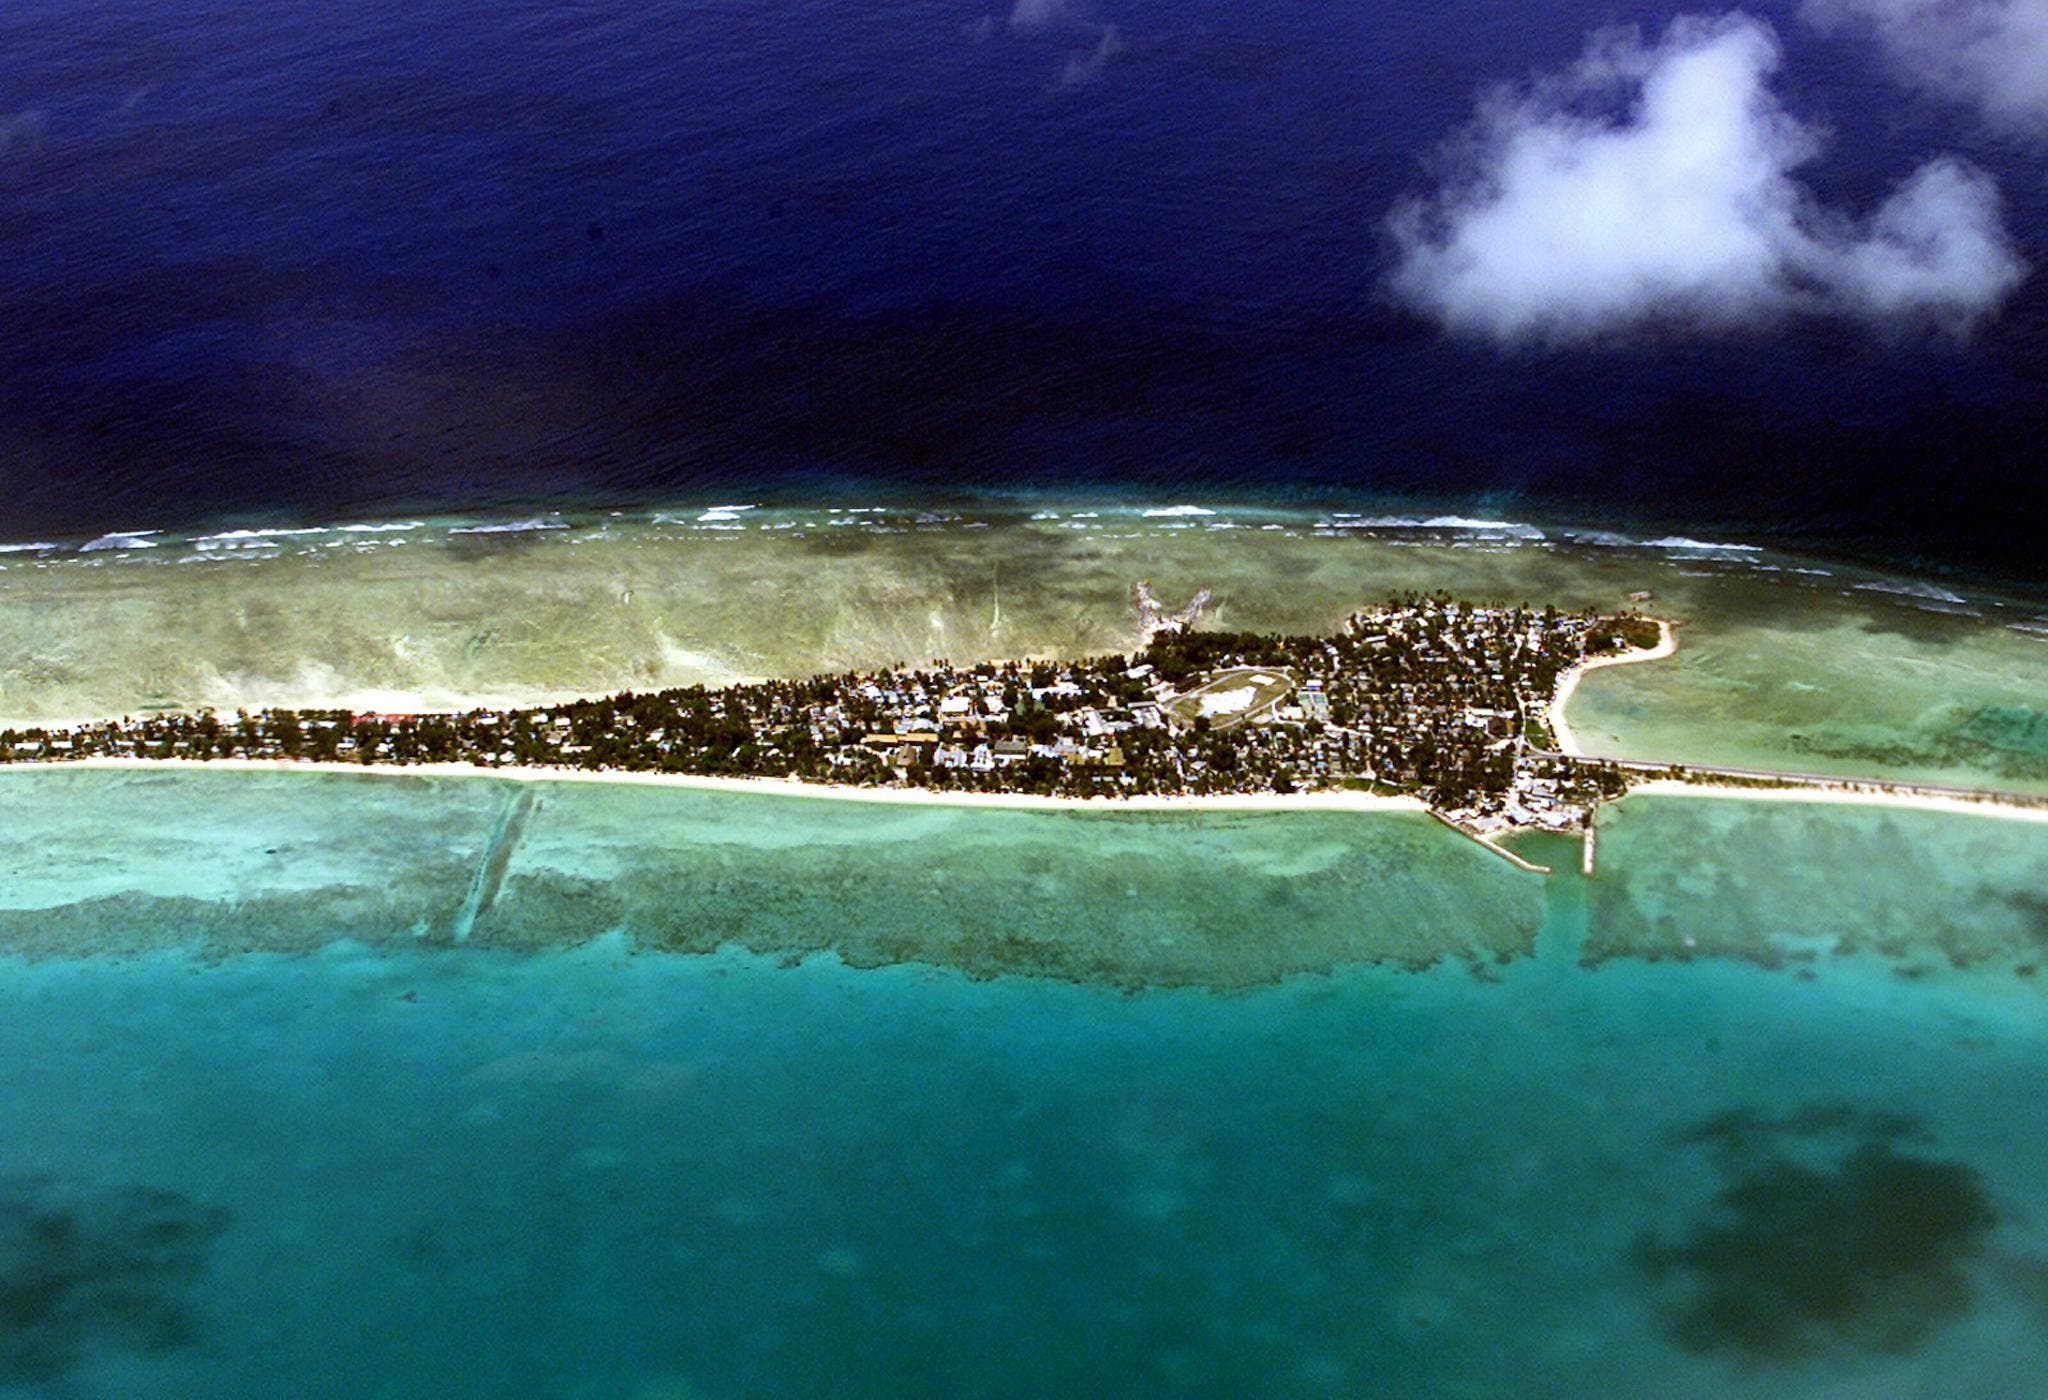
<point>1425,695</point>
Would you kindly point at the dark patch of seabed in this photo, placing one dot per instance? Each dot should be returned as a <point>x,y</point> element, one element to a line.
<point>1831,1230</point>
<point>86,1272</point>
<point>625,1171</point>
<point>1623,1179</point>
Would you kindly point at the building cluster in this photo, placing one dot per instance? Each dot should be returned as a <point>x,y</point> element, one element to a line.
<point>1425,695</point>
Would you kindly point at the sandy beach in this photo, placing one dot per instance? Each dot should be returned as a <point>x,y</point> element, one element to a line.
<point>782,787</point>
<point>1849,794</point>
<point>1567,742</point>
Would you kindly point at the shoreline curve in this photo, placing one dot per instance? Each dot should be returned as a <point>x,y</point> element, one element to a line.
<point>1567,742</point>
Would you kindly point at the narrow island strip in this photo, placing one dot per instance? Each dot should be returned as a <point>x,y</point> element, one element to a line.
<point>1334,800</point>
<point>1425,704</point>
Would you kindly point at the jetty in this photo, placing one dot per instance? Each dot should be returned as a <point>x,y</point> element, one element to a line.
<point>1491,844</point>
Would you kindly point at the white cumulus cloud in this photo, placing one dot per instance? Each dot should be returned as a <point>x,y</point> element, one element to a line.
<point>1993,53</point>
<point>1653,185</point>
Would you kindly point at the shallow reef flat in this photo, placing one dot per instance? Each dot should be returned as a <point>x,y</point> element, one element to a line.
<point>224,863</point>
<point>1783,662</point>
<point>216,864</point>
<point>671,1093</point>
<point>605,1173</point>
<point>1857,684</point>
<point>1793,885</point>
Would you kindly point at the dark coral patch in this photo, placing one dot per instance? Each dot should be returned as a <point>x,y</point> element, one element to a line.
<point>105,1271</point>
<point>1825,1235</point>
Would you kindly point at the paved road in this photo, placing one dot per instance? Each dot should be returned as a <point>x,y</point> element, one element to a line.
<point>1830,780</point>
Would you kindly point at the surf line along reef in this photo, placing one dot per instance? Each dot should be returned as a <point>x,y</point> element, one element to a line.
<point>1439,700</point>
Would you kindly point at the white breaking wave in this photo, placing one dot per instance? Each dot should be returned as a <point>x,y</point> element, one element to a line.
<point>228,535</point>
<point>1703,546</point>
<point>519,527</point>
<point>24,548</point>
<point>1913,590</point>
<point>119,541</point>
<point>1461,523</point>
<point>1178,510</point>
<point>1484,527</point>
<point>381,529</point>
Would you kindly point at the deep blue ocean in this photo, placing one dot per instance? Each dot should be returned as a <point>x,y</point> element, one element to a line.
<point>330,256</point>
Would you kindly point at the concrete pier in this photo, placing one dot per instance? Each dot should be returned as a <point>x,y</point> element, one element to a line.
<point>1492,845</point>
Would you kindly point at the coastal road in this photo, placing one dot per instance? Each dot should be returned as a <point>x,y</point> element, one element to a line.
<point>1824,780</point>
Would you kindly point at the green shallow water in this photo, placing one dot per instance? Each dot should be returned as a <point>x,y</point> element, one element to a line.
<point>1785,662</point>
<point>250,1148</point>
<point>1835,686</point>
<point>1793,884</point>
<point>108,861</point>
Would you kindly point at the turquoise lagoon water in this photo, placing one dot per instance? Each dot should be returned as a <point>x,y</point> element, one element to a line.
<point>1322,1106</point>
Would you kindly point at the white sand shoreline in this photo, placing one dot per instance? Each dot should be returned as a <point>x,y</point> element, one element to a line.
<point>1567,742</point>
<point>773,787</point>
<point>1849,794</point>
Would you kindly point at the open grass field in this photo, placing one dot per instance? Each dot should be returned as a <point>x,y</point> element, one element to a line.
<point>1233,697</point>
